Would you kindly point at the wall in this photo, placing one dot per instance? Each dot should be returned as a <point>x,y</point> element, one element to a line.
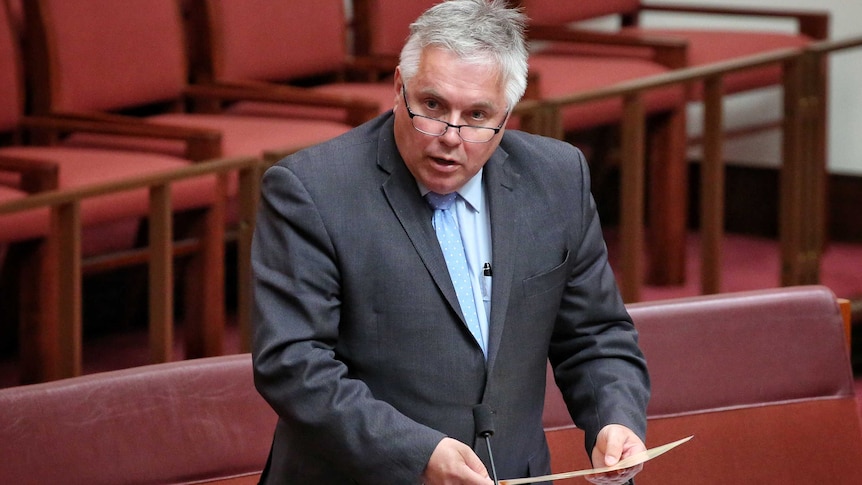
<point>845,103</point>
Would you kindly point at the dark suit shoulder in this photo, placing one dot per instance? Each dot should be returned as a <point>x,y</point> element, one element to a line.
<point>554,166</point>
<point>344,151</point>
<point>344,165</point>
<point>527,146</point>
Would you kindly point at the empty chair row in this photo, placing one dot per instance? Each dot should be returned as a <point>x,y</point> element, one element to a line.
<point>270,78</point>
<point>246,53</point>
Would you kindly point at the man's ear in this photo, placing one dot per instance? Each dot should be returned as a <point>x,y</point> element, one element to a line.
<point>398,85</point>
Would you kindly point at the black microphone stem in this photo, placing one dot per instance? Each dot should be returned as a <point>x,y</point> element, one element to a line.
<point>484,419</point>
<point>491,459</point>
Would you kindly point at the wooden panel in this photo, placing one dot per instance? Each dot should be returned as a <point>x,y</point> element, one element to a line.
<point>769,444</point>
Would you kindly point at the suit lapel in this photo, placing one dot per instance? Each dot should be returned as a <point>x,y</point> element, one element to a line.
<point>500,185</point>
<point>415,216</point>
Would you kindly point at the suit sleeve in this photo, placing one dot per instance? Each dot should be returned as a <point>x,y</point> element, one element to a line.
<point>297,370</point>
<point>597,362</point>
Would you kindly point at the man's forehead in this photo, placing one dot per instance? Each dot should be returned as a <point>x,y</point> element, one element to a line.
<point>449,78</point>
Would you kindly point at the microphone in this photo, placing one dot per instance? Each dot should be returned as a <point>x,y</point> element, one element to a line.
<point>484,419</point>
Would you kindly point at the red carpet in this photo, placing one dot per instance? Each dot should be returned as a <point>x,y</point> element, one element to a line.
<point>751,263</point>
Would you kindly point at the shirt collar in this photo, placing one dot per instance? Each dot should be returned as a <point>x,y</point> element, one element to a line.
<point>471,192</point>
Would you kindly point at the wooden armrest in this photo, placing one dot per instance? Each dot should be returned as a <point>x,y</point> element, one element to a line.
<point>666,51</point>
<point>201,143</point>
<point>36,175</point>
<point>813,23</point>
<point>359,110</point>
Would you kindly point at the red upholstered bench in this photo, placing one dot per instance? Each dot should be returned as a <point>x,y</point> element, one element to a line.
<point>191,421</point>
<point>761,379</point>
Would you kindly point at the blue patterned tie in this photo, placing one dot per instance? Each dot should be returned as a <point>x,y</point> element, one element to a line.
<point>453,250</point>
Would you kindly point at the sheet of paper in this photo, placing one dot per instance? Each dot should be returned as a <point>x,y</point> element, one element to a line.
<point>631,461</point>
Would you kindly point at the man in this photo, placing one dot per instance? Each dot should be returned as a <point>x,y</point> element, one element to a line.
<point>361,344</point>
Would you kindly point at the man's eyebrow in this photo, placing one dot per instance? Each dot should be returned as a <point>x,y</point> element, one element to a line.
<point>485,105</point>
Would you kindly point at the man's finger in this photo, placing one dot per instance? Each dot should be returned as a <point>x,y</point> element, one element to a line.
<point>614,448</point>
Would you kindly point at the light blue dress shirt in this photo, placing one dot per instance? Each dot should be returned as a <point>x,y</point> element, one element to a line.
<point>474,224</point>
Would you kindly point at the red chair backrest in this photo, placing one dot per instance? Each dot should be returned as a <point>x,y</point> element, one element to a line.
<point>276,40</point>
<point>556,12</point>
<point>105,55</point>
<point>389,23</point>
<point>11,94</point>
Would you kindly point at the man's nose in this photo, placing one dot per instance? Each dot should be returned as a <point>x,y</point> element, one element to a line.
<point>452,135</point>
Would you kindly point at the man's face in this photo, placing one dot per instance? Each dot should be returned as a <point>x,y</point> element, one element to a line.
<point>451,90</point>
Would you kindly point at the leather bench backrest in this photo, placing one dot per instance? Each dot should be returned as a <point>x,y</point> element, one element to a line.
<point>737,349</point>
<point>753,348</point>
<point>762,380</point>
<point>179,422</point>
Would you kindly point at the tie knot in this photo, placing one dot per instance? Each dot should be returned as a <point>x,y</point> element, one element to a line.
<point>440,201</point>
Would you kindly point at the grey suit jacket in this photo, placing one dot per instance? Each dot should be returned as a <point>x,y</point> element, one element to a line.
<point>359,342</point>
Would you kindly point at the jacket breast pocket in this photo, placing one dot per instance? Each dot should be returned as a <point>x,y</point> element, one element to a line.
<point>547,280</point>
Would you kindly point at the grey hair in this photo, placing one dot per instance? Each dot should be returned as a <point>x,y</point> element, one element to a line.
<point>477,31</point>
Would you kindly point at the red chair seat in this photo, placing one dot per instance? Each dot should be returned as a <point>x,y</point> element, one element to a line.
<point>704,47</point>
<point>561,75</point>
<point>81,167</point>
<point>241,136</point>
<point>711,46</point>
<point>112,220</point>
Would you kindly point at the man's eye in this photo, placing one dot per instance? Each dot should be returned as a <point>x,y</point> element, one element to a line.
<point>478,116</point>
<point>432,105</point>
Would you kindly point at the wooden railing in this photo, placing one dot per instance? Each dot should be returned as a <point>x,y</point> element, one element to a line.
<point>59,338</point>
<point>803,169</point>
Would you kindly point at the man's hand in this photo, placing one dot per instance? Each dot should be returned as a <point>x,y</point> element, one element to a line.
<point>454,463</point>
<point>614,443</point>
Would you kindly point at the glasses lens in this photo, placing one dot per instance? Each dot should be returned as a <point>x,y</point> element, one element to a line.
<point>429,126</point>
<point>477,134</point>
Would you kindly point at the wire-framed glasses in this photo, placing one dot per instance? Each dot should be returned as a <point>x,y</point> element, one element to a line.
<point>436,127</point>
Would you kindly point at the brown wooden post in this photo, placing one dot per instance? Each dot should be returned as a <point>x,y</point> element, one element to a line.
<point>667,200</point>
<point>39,311</point>
<point>204,288</point>
<point>66,225</point>
<point>712,187</point>
<point>815,165</point>
<point>161,288</point>
<point>632,197</point>
<point>791,193</point>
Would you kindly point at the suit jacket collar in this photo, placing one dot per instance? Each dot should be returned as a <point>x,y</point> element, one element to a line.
<point>501,183</point>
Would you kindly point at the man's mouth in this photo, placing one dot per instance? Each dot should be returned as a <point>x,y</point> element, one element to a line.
<point>443,161</point>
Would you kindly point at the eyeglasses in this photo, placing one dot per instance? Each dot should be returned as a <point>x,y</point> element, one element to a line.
<point>436,127</point>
